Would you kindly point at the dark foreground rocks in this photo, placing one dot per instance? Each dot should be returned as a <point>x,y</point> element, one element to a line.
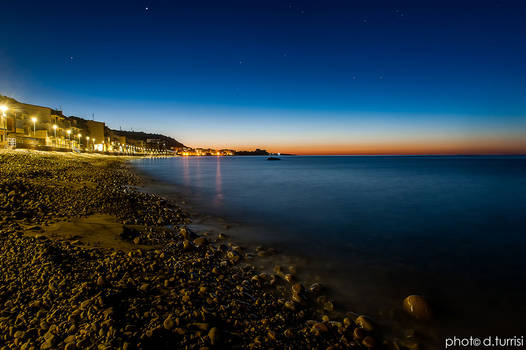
<point>165,289</point>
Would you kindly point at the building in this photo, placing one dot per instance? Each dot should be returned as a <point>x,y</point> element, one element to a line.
<point>24,125</point>
<point>96,135</point>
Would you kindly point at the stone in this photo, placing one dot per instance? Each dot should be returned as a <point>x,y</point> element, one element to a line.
<point>358,333</point>
<point>168,323</point>
<point>100,281</point>
<point>320,327</point>
<point>70,339</point>
<point>290,305</point>
<point>418,307</point>
<point>369,342</point>
<point>213,335</point>
<point>201,241</point>
<point>315,288</point>
<point>328,306</point>
<point>365,323</point>
<point>187,245</point>
<point>297,288</point>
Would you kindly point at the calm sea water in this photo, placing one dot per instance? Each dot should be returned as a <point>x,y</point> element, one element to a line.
<point>377,229</point>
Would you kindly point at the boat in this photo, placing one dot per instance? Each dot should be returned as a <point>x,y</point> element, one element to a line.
<point>274,157</point>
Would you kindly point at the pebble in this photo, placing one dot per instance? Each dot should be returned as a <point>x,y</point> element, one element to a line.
<point>418,307</point>
<point>369,342</point>
<point>168,323</point>
<point>365,323</point>
<point>213,335</point>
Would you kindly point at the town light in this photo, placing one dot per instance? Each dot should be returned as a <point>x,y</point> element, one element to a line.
<point>4,109</point>
<point>55,133</point>
<point>34,120</point>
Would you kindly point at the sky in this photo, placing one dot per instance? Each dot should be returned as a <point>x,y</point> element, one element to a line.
<point>304,77</point>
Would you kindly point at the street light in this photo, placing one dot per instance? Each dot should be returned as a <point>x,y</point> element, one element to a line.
<point>69,136</point>
<point>34,120</point>
<point>79,135</point>
<point>4,109</point>
<point>55,132</point>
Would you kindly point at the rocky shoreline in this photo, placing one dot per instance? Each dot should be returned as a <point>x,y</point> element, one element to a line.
<point>146,281</point>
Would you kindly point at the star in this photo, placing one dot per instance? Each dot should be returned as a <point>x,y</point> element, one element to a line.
<point>147,8</point>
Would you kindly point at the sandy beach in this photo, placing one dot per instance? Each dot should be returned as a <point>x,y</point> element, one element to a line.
<point>89,261</point>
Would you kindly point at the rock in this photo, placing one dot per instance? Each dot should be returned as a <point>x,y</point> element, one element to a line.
<point>365,323</point>
<point>297,288</point>
<point>369,342</point>
<point>289,278</point>
<point>200,325</point>
<point>410,344</point>
<point>320,327</point>
<point>184,232</point>
<point>49,343</point>
<point>168,323</point>
<point>315,288</point>
<point>100,281</point>
<point>187,245</point>
<point>290,305</point>
<point>418,307</point>
<point>213,335</point>
<point>358,333</point>
<point>70,339</point>
<point>201,241</point>
<point>328,306</point>
<point>298,298</point>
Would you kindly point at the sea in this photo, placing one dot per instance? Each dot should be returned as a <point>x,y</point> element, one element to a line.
<point>375,229</point>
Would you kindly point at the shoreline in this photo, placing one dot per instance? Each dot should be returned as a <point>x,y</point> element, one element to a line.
<point>101,263</point>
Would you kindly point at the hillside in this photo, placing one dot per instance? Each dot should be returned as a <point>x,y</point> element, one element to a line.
<point>142,136</point>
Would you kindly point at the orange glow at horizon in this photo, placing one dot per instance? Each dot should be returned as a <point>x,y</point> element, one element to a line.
<point>485,145</point>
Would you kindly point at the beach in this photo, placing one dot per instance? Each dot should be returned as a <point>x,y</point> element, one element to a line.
<point>89,260</point>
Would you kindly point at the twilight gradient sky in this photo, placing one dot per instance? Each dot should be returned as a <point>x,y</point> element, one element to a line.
<point>307,77</point>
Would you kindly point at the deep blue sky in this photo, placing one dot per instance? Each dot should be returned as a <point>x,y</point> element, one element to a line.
<point>299,76</point>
